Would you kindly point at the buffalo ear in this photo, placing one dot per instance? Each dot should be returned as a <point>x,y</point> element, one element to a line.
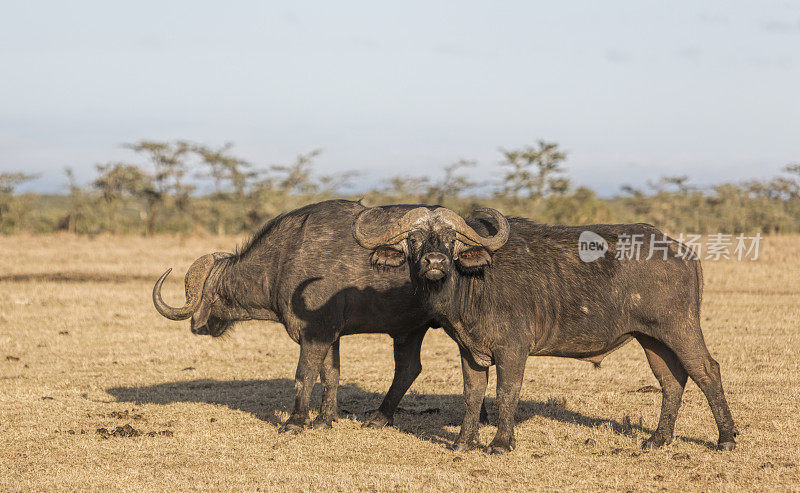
<point>473,258</point>
<point>387,257</point>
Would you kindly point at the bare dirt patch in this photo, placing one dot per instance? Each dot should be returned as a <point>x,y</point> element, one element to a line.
<point>127,431</point>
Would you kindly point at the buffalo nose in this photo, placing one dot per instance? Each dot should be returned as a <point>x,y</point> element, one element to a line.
<point>434,260</point>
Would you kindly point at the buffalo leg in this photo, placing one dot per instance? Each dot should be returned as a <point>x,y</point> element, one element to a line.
<point>328,412</point>
<point>704,370</point>
<point>407,367</point>
<point>510,370</point>
<point>312,354</point>
<point>475,381</point>
<point>672,377</point>
<point>484,417</point>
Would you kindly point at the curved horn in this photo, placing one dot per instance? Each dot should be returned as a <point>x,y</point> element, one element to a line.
<point>195,280</point>
<point>467,235</point>
<point>398,232</point>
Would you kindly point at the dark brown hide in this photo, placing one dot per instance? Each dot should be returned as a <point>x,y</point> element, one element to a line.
<point>535,296</point>
<point>305,270</point>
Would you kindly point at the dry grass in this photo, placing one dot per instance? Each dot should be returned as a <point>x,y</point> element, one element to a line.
<point>81,348</point>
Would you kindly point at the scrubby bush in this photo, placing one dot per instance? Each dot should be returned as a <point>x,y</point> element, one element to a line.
<point>190,187</point>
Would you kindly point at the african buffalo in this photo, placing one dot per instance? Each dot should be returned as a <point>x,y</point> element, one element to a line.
<point>506,289</point>
<point>300,270</point>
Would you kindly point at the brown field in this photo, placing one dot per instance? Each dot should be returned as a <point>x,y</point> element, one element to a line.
<point>82,348</point>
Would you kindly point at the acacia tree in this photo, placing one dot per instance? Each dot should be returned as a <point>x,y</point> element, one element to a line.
<point>681,184</point>
<point>334,183</point>
<point>227,172</point>
<point>452,183</point>
<point>77,203</point>
<point>11,216</point>
<point>117,180</point>
<point>298,177</point>
<point>529,170</point>
<point>793,188</point>
<point>283,187</point>
<point>406,188</point>
<point>8,185</point>
<point>230,176</point>
<point>559,185</point>
<point>169,169</point>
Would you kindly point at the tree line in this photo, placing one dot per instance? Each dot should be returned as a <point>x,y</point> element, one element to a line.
<point>163,197</point>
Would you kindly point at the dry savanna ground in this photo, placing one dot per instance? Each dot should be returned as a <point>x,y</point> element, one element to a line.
<point>82,349</point>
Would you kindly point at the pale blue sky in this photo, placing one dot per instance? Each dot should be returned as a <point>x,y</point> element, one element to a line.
<point>632,90</point>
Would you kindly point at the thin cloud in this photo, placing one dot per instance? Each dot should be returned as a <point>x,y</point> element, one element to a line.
<point>616,55</point>
<point>455,50</point>
<point>713,18</point>
<point>762,61</point>
<point>777,26</point>
<point>690,52</point>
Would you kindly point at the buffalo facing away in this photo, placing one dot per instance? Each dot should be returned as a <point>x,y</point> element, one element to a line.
<point>301,271</point>
<point>506,289</point>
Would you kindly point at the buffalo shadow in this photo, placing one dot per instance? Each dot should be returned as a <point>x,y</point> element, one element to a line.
<point>76,277</point>
<point>393,310</point>
<point>427,416</point>
<point>432,407</point>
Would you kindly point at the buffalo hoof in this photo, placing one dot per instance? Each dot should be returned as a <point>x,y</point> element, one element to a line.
<point>463,446</point>
<point>499,450</point>
<point>290,428</point>
<point>726,446</point>
<point>378,420</point>
<point>502,448</point>
<point>654,442</point>
<point>322,424</point>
